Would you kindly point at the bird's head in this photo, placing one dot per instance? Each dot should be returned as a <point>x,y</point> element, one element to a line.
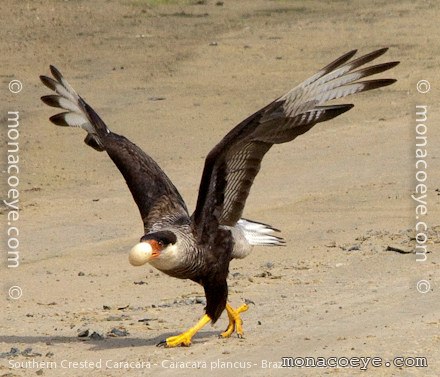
<point>151,247</point>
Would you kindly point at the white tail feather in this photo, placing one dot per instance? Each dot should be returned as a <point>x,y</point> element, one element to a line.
<point>259,234</point>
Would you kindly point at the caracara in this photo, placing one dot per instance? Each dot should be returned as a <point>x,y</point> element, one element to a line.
<point>201,246</point>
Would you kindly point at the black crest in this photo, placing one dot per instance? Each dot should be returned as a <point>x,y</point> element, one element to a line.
<point>165,237</point>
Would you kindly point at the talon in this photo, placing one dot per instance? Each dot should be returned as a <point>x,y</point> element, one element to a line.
<point>242,308</point>
<point>162,343</point>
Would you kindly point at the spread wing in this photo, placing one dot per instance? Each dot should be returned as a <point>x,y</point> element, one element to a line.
<point>158,200</point>
<point>230,168</point>
<point>155,195</point>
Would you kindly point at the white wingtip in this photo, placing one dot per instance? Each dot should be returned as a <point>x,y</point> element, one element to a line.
<point>79,114</point>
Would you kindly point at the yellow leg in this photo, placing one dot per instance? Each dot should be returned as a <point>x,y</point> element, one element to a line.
<point>184,339</point>
<point>235,322</point>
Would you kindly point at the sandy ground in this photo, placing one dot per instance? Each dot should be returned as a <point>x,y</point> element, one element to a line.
<point>341,194</point>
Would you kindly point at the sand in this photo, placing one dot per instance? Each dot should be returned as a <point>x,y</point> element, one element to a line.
<point>174,78</point>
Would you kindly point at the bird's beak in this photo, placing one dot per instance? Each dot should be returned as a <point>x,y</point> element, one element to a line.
<point>142,253</point>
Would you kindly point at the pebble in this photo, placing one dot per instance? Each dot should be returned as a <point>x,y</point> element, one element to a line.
<point>83,334</point>
<point>147,319</point>
<point>28,353</point>
<point>118,332</point>
<point>187,301</point>
<point>399,249</point>
<point>269,264</point>
<point>115,318</point>
<point>263,274</point>
<point>96,336</point>
<point>12,353</point>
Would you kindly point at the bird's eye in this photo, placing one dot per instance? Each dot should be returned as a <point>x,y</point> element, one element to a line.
<point>161,244</point>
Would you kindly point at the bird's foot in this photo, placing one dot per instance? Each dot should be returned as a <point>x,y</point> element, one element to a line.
<point>185,338</point>
<point>235,322</point>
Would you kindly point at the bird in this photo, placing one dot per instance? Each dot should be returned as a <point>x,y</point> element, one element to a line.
<point>201,246</point>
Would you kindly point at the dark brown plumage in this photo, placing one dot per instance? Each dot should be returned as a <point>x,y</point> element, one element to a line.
<point>200,247</point>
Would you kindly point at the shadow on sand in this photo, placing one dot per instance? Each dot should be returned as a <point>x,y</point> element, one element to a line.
<point>96,345</point>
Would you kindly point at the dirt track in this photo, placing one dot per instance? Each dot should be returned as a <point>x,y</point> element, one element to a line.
<point>174,79</point>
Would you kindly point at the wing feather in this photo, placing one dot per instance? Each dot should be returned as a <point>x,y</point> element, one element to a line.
<point>231,167</point>
<point>157,198</point>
